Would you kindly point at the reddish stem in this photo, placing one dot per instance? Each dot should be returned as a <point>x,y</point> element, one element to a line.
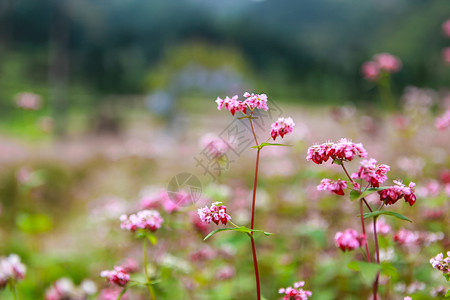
<point>364,229</point>
<point>255,264</point>
<point>375,284</point>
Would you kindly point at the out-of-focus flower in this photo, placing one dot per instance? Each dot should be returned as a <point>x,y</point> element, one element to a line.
<point>130,265</point>
<point>371,172</point>
<point>417,101</point>
<point>256,101</point>
<point>446,28</point>
<point>387,254</point>
<point>446,55</point>
<point>144,219</point>
<point>88,287</point>
<point>370,70</point>
<point>411,165</point>
<point>11,269</point>
<point>225,273</point>
<point>398,191</point>
<point>344,150</point>
<point>24,175</point>
<point>438,291</point>
<point>28,101</point>
<point>117,276</point>
<point>440,263</point>
<point>406,238</point>
<point>111,293</point>
<point>349,240</point>
<point>295,293</point>
<point>213,145</point>
<point>407,298</point>
<point>64,289</point>
<point>333,186</point>
<point>232,104</point>
<point>388,62</point>
<point>199,224</point>
<point>443,122</point>
<point>204,253</point>
<point>215,214</point>
<point>281,127</point>
<point>383,228</point>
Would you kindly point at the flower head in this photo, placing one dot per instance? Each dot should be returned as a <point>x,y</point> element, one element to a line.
<point>334,186</point>
<point>349,240</point>
<point>281,127</point>
<point>398,191</point>
<point>443,121</point>
<point>440,263</point>
<point>232,104</point>
<point>215,214</point>
<point>370,70</point>
<point>11,269</point>
<point>388,62</point>
<point>117,276</point>
<point>256,101</point>
<point>28,101</point>
<point>446,28</point>
<point>296,292</point>
<point>344,150</point>
<point>446,55</point>
<point>144,219</point>
<point>371,172</point>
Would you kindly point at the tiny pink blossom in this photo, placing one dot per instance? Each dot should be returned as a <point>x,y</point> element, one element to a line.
<point>117,276</point>
<point>371,172</point>
<point>383,228</point>
<point>388,62</point>
<point>281,127</point>
<point>11,269</point>
<point>296,292</point>
<point>349,240</point>
<point>225,273</point>
<point>256,101</point>
<point>446,28</point>
<point>406,238</point>
<point>398,191</point>
<point>446,55</point>
<point>443,122</point>
<point>440,263</point>
<point>215,214</point>
<point>407,298</point>
<point>231,104</point>
<point>112,293</point>
<point>344,150</point>
<point>144,219</point>
<point>334,186</point>
<point>370,70</point>
<point>214,145</point>
<point>28,101</point>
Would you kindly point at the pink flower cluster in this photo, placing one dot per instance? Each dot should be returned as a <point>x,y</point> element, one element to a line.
<point>371,172</point>
<point>214,145</point>
<point>409,238</point>
<point>251,102</point>
<point>296,292</point>
<point>28,101</point>
<point>383,62</point>
<point>446,55</point>
<point>162,199</point>
<point>344,150</point>
<point>144,219</point>
<point>334,186</point>
<point>215,214</point>
<point>446,28</point>
<point>349,240</point>
<point>64,289</point>
<point>443,121</point>
<point>398,191</point>
<point>440,263</point>
<point>11,269</point>
<point>112,293</point>
<point>281,127</point>
<point>117,276</point>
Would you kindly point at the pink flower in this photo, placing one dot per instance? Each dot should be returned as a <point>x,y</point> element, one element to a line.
<point>344,150</point>
<point>281,127</point>
<point>144,219</point>
<point>28,101</point>
<point>446,28</point>
<point>296,292</point>
<point>407,298</point>
<point>225,273</point>
<point>11,269</point>
<point>370,70</point>
<point>130,265</point>
<point>398,191</point>
<point>406,238</point>
<point>349,240</point>
<point>440,263</point>
<point>111,293</point>
<point>388,62</point>
<point>61,289</point>
<point>383,228</point>
<point>215,214</point>
<point>231,104</point>
<point>443,122</point>
<point>371,172</point>
<point>214,145</point>
<point>334,186</point>
<point>117,276</point>
<point>256,101</point>
<point>446,55</point>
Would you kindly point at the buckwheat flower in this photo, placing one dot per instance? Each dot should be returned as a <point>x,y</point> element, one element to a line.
<point>111,293</point>
<point>446,28</point>
<point>398,191</point>
<point>232,104</point>
<point>117,276</point>
<point>333,186</point>
<point>256,101</point>
<point>383,228</point>
<point>446,55</point>
<point>349,240</point>
<point>440,263</point>
<point>28,101</point>
<point>318,153</point>
<point>144,219</point>
<point>215,214</point>
<point>11,269</point>
<point>130,265</point>
<point>213,145</point>
<point>296,292</point>
<point>225,273</point>
<point>371,172</point>
<point>61,289</point>
<point>346,150</point>
<point>370,70</point>
<point>388,62</point>
<point>281,127</point>
<point>443,122</point>
<point>407,298</point>
<point>407,238</point>
<point>438,291</point>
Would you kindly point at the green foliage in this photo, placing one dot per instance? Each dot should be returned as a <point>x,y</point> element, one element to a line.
<point>386,213</point>
<point>240,229</point>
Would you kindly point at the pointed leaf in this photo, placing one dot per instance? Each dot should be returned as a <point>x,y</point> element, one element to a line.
<point>260,146</point>
<point>152,239</point>
<point>387,213</point>
<point>368,270</point>
<point>240,228</point>
<point>355,195</point>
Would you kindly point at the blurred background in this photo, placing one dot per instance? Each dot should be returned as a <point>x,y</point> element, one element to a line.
<point>102,102</point>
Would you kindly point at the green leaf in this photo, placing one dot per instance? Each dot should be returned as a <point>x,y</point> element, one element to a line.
<point>447,276</point>
<point>447,294</point>
<point>240,229</point>
<point>152,239</point>
<point>387,213</point>
<point>355,195</point>
<point>33,223</point>
<point>368,270</point>
<point>260,146</point>
<point>337,162</point>
<point>389,270</point>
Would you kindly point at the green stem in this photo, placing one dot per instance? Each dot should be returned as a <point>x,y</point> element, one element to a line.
<point>12,287</point>
<point>149,286</point>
